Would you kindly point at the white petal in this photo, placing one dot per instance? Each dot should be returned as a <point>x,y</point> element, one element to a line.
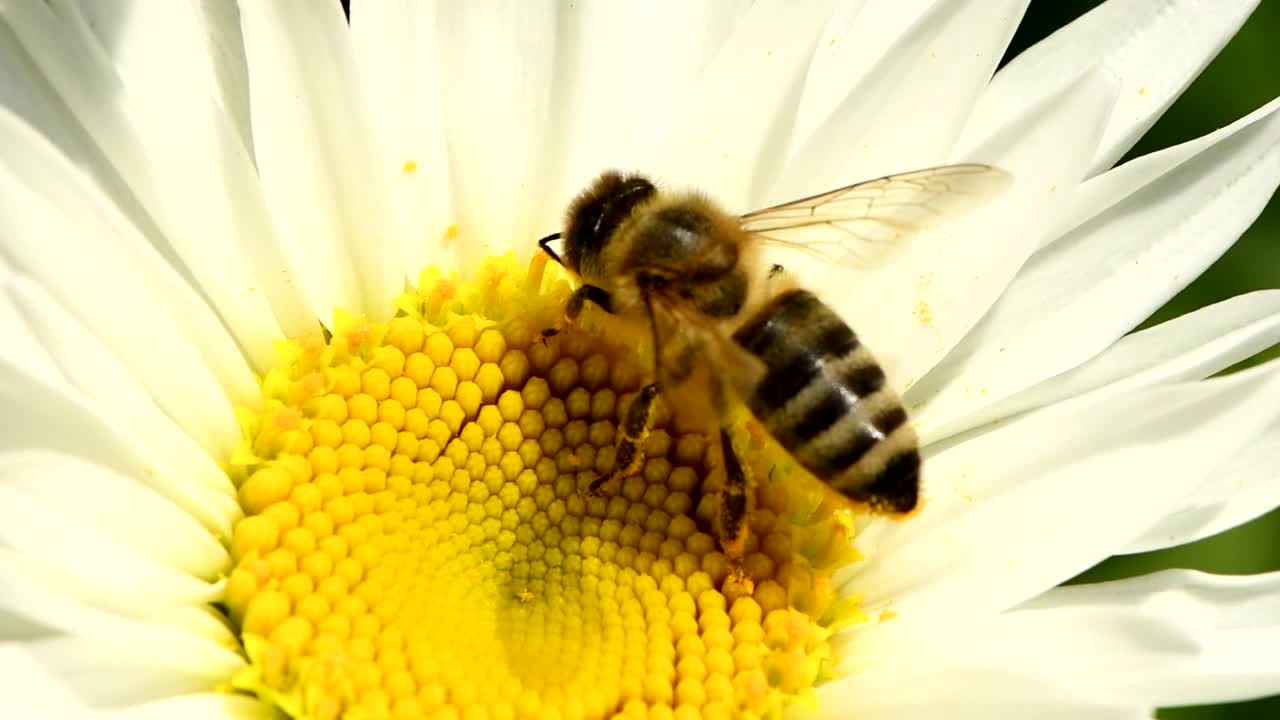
<point>95,372</point>
<point>311,139</point>
<point>71,90</point>
<point>123,671</point>
<point>914,310</point>
<point>223,40</point>
<point>90,568</point>
<point>192,175</point>
<point>22,348</point>
<point>68,237</point>
<point>217,222</point>
<point>730,138</point>
<point>1111,188</point>
<point>113,659</point>
<point>83,493</point>
<point>496,72</point>
<point>1155,47</point>
<point>212,211</point>
<point>616,100</point>
<point>38,415</point>
<point>1191,347</point>
<point>1078,295</point>
<point>199,624</point>
<point>25,92</point>
<point>909,109</point>
<point>859,34</point>
<point>1034,502</point>
<point>32,691</point>
<point>394,46</point>
<point>1093,649</point>
<point>1233,621</point>
<point>203,706</point>
<point>201,46</point>
<point>1203,600</point>
<point>967,694</point>
<point>1245,487</point>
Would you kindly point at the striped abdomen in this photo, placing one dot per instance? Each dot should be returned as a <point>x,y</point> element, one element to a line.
<point>824,398</point>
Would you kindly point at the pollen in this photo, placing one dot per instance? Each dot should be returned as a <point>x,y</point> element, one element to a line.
<point>418,538</point>
<point>922,312</point>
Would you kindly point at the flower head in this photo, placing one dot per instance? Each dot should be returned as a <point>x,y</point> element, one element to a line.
<point>249,472</point>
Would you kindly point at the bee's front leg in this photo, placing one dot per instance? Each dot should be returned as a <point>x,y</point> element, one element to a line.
<point>578,303</point>
<point>631,437</point>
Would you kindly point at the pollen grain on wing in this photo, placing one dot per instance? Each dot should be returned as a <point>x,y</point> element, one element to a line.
<point>417,542</point>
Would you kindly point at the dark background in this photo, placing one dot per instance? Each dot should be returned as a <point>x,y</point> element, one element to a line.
<point>1241,79</point>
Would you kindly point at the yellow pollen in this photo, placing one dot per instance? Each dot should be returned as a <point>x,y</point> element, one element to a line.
<point>417,540</point>
<point>923,312</point>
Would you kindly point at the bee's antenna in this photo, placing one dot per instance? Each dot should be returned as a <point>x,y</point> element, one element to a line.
<point>545,244</point>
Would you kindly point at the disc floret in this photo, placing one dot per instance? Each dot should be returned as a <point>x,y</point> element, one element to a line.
<point>417,542</point>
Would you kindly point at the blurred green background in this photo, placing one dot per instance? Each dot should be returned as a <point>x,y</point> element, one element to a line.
<point>1244,76</point>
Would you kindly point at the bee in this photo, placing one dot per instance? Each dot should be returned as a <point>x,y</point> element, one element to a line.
<point>729,328</point>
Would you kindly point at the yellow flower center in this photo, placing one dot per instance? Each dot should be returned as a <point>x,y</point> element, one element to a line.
<point>417,540</point>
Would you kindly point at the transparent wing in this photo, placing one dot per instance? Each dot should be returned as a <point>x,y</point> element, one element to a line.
<point>861,224</point>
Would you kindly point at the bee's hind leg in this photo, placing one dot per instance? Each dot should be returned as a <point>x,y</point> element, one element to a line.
<point>631,438</point>
<point>735,508</point>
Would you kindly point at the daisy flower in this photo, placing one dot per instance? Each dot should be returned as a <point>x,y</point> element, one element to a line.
<point>283,438</point>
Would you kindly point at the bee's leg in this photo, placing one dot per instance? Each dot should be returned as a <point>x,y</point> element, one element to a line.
<point>735,507</point>
<point>578,301</point>
<point>635,426</point>
<point>730,523</point>
<point>631,437</point>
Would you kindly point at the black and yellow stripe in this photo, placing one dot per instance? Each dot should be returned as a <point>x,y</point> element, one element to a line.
<point>824,398</point>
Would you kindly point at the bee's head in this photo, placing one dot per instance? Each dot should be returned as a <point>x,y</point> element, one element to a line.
<point>594,217</point>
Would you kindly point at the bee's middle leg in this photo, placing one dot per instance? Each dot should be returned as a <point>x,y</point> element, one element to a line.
<point>635,426</point>
<point>631,438</point>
